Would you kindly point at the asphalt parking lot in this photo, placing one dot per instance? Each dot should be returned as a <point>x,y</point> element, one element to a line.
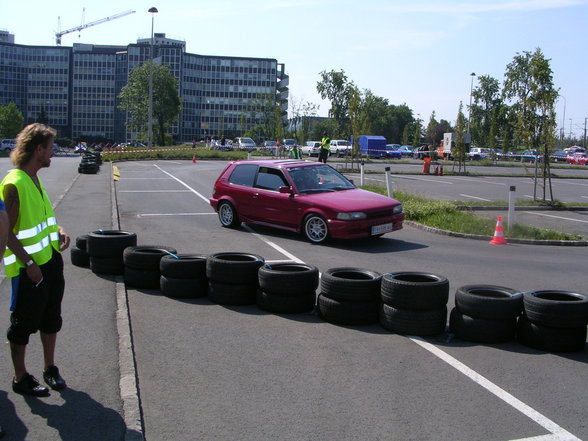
<point>211,372</point>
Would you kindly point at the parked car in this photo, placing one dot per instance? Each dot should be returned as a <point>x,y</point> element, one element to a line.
<point>531,156</point>
<point>559,156</point>
<point>269,145</point>
<point>405,150</point>
<point>340,147</point>
<point>578,158</point>
<point>305,197</point>
<point>477,153</point>
<point>7,145</point>
<point>392,151</point>
<point>575,148</point>
<point>311,148</point>
<point>422,152</point>
<point>246,144</point>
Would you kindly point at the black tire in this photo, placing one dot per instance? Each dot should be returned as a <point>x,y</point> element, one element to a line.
<point>227,215</point>
<point>347,313</point>
<point>557,309</point>
<point>183,288</point>
<point>142,278</point>
<point>79,257</point>
<point>234,268</point>
<point>286,304</point>
<point>107,265</point>
<point>315,228</point>
<point>146,257</point>
<point>82,242</point>
<point>351,285</point>
<point>225,294</point>
<point>413,322</point>
<point>288,279</point>
<point>415,290</point>
<point>481,330</point>
<point>550,339</point>
<point>110,243</point>
<point>489,302</point>
<point>183,266</point>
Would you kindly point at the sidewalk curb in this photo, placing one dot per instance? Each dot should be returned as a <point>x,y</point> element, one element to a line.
<point>128,383</point>
<point>577,243</point>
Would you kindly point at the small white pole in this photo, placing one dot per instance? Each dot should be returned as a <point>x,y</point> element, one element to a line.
<point>361,173</point>
<point>389,183</point>
<point>511,207</point>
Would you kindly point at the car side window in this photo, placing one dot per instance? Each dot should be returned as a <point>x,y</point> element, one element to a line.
<point>243,174</point>
<point>270,179</point>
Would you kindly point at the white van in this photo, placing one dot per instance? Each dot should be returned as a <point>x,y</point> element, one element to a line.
<point>246,144</point>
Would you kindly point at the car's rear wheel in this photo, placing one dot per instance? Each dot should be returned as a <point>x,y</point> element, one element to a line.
<point>315,228</point>
<point>227,215</point>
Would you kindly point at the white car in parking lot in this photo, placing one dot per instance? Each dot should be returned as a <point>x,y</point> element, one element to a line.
<point>340,147</point>
<point>246,144</point>
<point>7,145</point>
<point>311,148</point>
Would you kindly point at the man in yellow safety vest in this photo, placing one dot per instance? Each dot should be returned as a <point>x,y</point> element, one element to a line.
<point>33,259</point>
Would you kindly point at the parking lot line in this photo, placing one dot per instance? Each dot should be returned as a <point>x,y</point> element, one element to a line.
<point>474,197</point>
<point>154,191</point>
<point>205,199</point>
<point>557,217</point>
<point>559,433</point>
<point>175,214</point>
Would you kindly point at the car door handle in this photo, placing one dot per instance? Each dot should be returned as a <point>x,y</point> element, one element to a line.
<point>255,195</point>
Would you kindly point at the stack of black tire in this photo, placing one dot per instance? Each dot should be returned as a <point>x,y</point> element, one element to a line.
<point>183,276</point>
<point>485,313</point>
<point>233,278</point>
<point>105,249</point>
<point>141,265</point>
<point>554,321</point>
<point>414,303</point>
<point>90,163</point>
<point>79,252</point>
<point>349,296</point>
<point>287,288</point>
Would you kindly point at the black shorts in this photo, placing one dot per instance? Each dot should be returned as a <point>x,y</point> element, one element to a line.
<point>38,308</point>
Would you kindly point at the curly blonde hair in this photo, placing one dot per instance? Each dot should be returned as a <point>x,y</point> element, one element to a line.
<point>27,141</point>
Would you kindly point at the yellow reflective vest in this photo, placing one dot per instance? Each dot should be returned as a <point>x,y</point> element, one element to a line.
<point>36,227</point>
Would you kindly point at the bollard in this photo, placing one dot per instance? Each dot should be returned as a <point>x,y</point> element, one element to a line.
<point>510,221</point>
<point>388,183</point>
<point>361,173</point>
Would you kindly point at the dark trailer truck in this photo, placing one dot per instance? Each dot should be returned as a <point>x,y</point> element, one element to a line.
<point>373,146</point>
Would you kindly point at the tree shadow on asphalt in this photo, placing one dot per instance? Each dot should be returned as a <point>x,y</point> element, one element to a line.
<point>79,418</point>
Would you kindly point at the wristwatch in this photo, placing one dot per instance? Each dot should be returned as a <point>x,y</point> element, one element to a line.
<point>30,262</point>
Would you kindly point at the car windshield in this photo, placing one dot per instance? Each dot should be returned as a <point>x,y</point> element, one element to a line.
<point>247,141</point>
<point>318,179</point>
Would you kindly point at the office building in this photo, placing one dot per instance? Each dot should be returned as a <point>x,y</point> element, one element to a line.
<point>77,87</point>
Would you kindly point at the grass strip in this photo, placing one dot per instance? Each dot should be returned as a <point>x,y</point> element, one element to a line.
<point>445,215</point>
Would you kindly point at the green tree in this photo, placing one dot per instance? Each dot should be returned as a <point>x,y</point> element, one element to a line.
<point>487,100</point>
<point>431,133</point>
<point>336,87</point>
<point>529,84</point>
<point>459,149</point>
<point>405,135</point>
<point>42,117</point>
<point>166,100</point>
<point>11,120</point>
<point>416,137</point>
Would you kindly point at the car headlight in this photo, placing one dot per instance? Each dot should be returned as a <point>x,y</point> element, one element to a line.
<point>354,215</point>
<point>397,209</point>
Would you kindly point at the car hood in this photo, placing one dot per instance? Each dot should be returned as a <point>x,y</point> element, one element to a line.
<point>351,200</point>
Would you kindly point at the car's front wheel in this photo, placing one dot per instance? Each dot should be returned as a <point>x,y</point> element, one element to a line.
<point>227,215</point>
<point>315,228</point>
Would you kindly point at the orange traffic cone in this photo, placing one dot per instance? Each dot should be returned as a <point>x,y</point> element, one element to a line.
<point>498,238</point>
<point>193,159</point>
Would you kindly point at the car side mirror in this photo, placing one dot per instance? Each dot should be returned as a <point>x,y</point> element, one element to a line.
<point>286,189</point>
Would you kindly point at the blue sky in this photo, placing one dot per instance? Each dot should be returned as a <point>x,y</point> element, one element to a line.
<point>418,52</point>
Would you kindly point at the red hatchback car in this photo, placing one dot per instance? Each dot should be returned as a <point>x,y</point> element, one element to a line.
<point>308,197</point>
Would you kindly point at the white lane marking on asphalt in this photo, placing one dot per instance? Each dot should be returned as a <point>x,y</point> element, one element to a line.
<point>480,180</point>
<point>557,217</point>
<point>525,409</point>
<point>585,197</point>
<point>273,245</point>
<point>183,183</point>
<point>474,197</point>
<point>528,196</point>
<point>412,178</point>
<point>175,214</point>
<point>563,181</point>
<point>154,191</point>
<point>549,437</point>
<point>146,179</point>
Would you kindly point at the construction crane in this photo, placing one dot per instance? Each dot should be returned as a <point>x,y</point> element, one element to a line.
<point>60,33</point>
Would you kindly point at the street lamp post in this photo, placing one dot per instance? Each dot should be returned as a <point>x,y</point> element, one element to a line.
<point>473,74</point>
<point>153,11</point>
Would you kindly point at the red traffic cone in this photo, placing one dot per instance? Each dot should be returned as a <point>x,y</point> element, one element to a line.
<point>498,238</point>
<point>436,170</point>
<point>193,159</point>
<point>441,171</point>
